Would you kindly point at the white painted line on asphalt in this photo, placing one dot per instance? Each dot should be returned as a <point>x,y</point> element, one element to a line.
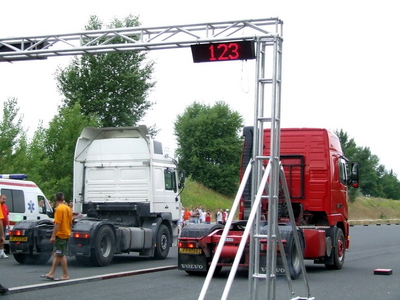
<point>50,284</point>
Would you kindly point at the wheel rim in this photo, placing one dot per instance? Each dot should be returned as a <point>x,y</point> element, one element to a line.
<point>105,246</point>
<point>340,249</point>
<point>295,259</point>
<point>164,242</point>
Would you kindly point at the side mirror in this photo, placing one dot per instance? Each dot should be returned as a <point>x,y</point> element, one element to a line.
<point>182,177</point>
<point>354,175</point>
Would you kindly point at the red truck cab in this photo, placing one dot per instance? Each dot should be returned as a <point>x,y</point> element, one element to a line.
<point>317,177</point>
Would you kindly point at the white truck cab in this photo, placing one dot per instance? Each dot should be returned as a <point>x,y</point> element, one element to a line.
<point>126,194</point>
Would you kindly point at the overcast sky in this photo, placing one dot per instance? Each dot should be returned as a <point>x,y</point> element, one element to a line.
<point>340,63</point>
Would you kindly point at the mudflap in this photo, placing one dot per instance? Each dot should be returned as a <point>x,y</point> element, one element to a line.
<point>280,269</point>
<point>42,235</point>
<point>80,246</point>
<point>192,263</point>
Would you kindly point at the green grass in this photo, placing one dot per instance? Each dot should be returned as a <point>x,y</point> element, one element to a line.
<point>362,208</point>
<point>196,194</point>
<point>374,208</point>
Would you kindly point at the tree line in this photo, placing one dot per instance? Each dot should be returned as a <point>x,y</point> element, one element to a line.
<point>375,179</point>
<point>111,90</point>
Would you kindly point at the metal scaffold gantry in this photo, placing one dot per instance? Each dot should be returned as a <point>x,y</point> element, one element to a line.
<point>265,180</point>
<point>266,36</point>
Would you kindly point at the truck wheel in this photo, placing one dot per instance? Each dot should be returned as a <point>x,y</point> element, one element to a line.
<point>293,259</point>
<point>339,251</point>
<point>103,252</point>
<point>163,242</point>
<point>30,259</point>
<point>20,258</point>
<point>40,259</point>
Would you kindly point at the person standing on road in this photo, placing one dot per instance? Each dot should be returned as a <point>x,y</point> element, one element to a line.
<point>219,216</point>
<point>186,217</point>
<point>225,215</point>
<point>193,215</point>
<point>60,236</point>
<point>3,289</point>
<point>208,217</point>
<point>5,221</point>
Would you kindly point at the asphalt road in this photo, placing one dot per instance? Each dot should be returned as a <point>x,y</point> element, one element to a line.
<point>371,247</point>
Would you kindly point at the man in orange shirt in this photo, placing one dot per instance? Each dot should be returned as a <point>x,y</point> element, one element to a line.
<point>60,236</point>
<point>3,289</point>
<point>186,216</point>
<point>5,221</point>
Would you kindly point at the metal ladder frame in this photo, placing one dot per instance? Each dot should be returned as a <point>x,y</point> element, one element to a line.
<point>263,179</point>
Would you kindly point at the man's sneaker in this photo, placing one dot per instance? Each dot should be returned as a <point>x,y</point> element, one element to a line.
<point>3,290</point>
<point>3,255</point>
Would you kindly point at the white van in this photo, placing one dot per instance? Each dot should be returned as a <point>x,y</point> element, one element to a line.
<point>25,200</point>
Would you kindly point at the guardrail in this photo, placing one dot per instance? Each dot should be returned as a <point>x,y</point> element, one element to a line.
<point>377,222</point>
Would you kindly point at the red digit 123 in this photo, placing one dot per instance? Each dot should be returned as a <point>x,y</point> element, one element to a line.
<point>224,52</point>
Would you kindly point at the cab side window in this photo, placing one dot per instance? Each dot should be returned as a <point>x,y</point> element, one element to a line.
<point>170,180</point>
<point>343,171</point>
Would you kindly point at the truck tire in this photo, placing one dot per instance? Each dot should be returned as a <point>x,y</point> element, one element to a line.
<point>338,252</point>
<point>163,241</point>
<point>103,252</point>
<point>293,259</point>
<point>39,259</point>
<point>20,258</point>
<point>30,259</point>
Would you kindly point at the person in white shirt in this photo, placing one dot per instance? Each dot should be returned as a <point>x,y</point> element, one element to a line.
<point>202,216</point>
<point>219,216</point>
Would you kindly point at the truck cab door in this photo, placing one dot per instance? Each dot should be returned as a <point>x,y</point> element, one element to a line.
<point>339,187</point>
<point>166,191</point>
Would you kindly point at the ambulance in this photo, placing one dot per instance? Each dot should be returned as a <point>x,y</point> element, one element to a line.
<point>25,200</point>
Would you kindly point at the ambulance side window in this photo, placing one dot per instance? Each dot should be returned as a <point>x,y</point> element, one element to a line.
<point>15,200</point>
<point>41,205</point>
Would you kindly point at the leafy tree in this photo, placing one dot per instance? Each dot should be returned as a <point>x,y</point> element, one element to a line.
<point>209,147</point>
<point>112,86</point>
<point>349,149</point>
<point>390,185</point>
<point>56,147</point>
<point>375,180</point>
<point>20,160</point>
<point>348,144</point>
<point>10,132</point>
<point>369,164</point>
<point>38,162</point>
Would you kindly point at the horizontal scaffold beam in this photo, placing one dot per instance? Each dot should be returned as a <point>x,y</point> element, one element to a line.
<point>136,38</point>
